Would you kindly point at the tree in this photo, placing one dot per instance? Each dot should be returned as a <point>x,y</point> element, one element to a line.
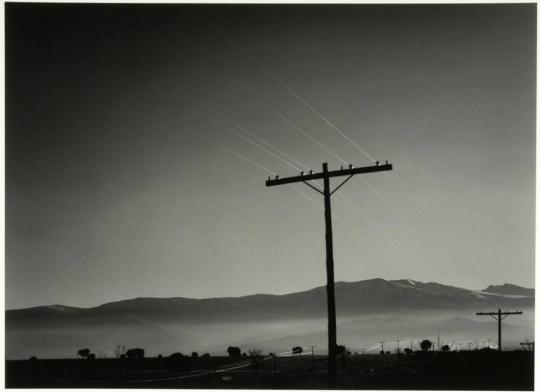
<point>83,352</point>
<point>425,345</point>
<point>194,354</point>
<point>234,352</point>
<point>91,356</point>
<point>297,350</point>
<point>135,353</point>
<point>446,347</point>
<point>407,351</point>
<point>341,350</point>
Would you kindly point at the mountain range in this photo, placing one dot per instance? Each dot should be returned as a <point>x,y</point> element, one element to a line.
<point>214,323</point>
<point>352,298</point>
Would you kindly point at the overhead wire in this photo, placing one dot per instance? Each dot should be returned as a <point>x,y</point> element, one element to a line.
<point>307,197</point>
<point>345,202</point>
<point>247,139</point>
<point>252,134</point>
<point>310,107</point>
<point>302,131</point>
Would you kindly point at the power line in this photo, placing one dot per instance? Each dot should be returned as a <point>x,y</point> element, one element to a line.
<point>499,317</point>
<point>302,100</point>
<point>305,196</point>
<point>303,132</point>
<point>244,129</point>
<point>325,175</point>
<point>246,139</point>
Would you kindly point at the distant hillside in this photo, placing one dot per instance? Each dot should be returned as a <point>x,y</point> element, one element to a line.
<point>354,298</point>
<point>166,325</point>
<point>510,289</point>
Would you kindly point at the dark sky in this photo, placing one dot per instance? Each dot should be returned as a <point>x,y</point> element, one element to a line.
<point>111,193</point>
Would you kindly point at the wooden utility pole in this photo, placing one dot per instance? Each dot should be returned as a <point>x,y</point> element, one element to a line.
<point>499,317</point>
<point>325,175</point>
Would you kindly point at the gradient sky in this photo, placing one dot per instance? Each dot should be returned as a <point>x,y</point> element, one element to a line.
<point>110,195</point>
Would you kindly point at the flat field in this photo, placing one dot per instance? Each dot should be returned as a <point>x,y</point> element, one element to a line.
<point>466,370</point>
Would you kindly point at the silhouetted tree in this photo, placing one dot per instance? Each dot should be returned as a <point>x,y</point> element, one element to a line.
<point>425,345</point>
<point>135,353</point>
<point>176,356</point>
<point>340,350</point>
<point>91,356</point>
<point>194,354</point>
<point>83,352</point>
<point>297,350</point>
<point>381,352</point>
<point>407,351</point>
<point>33,358</point>
<point>206,355</point>
<point>234,351</point>
<point>446,347</point>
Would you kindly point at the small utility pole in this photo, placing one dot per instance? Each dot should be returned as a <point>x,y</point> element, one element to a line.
<point>325,175</point>
<point>499,317</point>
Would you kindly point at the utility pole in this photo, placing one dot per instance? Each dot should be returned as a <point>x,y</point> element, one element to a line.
<point>313,361</point>
<point>325,175</point>
<point>382,346</point>
<point>397,340</point>
<point>499,317</point>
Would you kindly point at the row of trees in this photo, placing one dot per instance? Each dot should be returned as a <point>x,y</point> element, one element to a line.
<point>234,352</point>
<point>132,353</point>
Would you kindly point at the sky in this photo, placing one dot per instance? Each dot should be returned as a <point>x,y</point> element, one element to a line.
<point>137,147</point>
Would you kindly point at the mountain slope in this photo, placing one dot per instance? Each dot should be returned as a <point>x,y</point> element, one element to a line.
<point>510,289</point>
<point>166,325</point>
<point>352,298</point>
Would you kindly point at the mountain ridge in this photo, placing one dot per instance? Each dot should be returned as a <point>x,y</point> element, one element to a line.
<point>352,298</point>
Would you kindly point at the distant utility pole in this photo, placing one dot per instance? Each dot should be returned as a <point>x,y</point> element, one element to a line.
<point>312,360</point>
<point>397,340</point>
<point>382,346</point>
<point>499,317</point>
<point>325,175</point>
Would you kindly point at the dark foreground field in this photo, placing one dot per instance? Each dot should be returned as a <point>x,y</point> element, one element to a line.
<point>453,370</point>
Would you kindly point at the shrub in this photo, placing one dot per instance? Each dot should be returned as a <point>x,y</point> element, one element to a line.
<point>234,351</point>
